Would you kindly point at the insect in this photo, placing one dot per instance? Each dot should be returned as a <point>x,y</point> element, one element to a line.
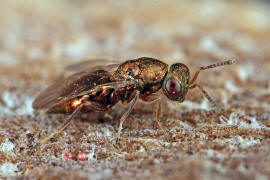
<point>99,87</point>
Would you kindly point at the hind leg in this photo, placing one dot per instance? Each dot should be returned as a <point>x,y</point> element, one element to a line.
<point>87,104</point>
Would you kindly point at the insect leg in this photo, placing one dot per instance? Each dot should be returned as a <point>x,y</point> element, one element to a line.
<point>64,125</point>
<point>88,104</point>
<point>125,115</point>
<point>94,106</point>
<point>229,62</point>
<point>153,98</point>
<point>214,104</point>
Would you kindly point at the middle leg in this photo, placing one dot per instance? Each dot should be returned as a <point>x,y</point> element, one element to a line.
<point>156,98</point>
<point>133,98</point>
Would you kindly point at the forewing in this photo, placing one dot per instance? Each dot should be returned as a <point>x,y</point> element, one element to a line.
<point>68,88</point>
<point>117,85</point>
<point>94,64</point>
<point>82,79</point>
<point>78,85</point>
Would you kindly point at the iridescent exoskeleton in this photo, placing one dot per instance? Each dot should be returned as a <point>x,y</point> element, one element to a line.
<point>99,87</point>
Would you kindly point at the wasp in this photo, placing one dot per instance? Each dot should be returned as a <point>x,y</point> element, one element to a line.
<point>99,87</point>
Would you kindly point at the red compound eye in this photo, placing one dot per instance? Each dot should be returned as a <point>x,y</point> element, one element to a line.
<point>173,87</point>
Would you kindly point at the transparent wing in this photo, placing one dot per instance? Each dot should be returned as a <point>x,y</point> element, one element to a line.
<point>67,88</point>
<point>94,64</point>
<point>117,85</point>
<point>77,85</point>
<point>77,78</point>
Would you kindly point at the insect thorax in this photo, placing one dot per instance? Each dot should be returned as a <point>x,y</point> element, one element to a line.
<point>150,71</point>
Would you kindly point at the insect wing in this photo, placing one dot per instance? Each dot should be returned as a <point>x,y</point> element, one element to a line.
<point>93,65</point>
<point>78,85</point>
<point>117,85</point>
<point>65,89</point>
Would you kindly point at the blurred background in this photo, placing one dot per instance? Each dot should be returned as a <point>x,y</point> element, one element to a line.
<point>69,31</point>
<point>39,38</point>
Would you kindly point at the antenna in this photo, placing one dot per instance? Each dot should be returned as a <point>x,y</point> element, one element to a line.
<point>224,63</point>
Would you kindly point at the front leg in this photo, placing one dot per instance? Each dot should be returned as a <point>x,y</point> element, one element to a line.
<point>213,103</point>
<point>156,98</point>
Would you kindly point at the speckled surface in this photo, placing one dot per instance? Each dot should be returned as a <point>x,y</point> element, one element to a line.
<point>39,38</point>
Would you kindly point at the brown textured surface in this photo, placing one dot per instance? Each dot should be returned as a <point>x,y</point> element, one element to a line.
<point>39,38</point>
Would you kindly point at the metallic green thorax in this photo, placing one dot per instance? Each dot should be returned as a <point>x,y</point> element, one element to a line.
<point>149,70</point>
<point>152,73</point>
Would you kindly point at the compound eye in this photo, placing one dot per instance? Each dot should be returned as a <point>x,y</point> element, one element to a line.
<point>173,87</point>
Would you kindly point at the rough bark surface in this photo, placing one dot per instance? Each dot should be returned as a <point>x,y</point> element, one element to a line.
<point>39,38</point>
